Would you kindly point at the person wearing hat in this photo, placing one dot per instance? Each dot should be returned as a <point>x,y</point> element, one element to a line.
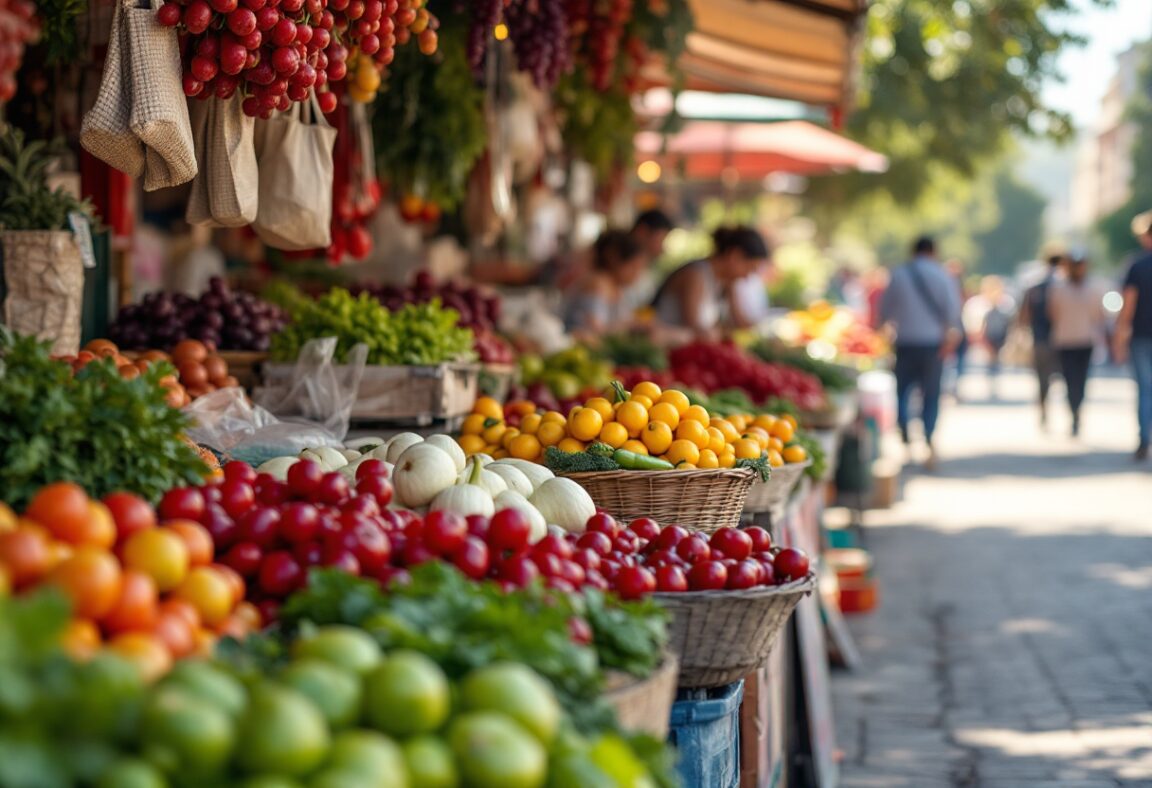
<point>1133,337</point>
<point>1076,309</point>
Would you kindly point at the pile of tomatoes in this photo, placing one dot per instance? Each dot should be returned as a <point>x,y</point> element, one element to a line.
<point>711,366</point>
<point>142,583</point>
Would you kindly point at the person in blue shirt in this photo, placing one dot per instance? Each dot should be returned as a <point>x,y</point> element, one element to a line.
<point>1133,337</point>
<point>922,307</point>
<point>1034,315</point>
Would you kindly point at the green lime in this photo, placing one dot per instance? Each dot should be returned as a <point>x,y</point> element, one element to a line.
<point>270,781</point>
<point>186,735</point>
<point>430,763</point>
<point>334,690</point>
<point>131,773</point>
<point>407,694</point>
<point>492,751</point>
<point>349,647</point>
<point>612,755</point>
<point>576,771</point>
<point>368,752</point>
<point>516,691</point>
<point>209,683</point>
<point>281,732</point>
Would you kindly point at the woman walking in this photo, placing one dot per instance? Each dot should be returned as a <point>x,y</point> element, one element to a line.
<point>1076,307</point>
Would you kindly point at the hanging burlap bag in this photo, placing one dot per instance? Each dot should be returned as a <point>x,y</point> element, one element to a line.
<point>44,274</point>
<point>105,131</point>
<point>226,190</point>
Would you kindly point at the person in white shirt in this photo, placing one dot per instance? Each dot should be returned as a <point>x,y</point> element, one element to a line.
<point>1076,307</point>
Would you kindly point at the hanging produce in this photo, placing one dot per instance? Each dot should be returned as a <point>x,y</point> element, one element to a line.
<point>18,28</point>
<point>355,190</point>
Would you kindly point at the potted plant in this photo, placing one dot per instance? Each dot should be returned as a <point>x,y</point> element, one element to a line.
<point>42,264</point>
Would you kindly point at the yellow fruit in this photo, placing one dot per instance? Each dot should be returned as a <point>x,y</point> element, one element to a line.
<point>695,432</point>
<point>747,449</point>
<point>525,447</point>
<point>708,459</point>
<point>471,444</point>
<point>727,460</point>
<point>584,424</point>
<point>494,433</point>
<point>570,445</point>
<point>489,407</point>
<point>530,423</point>
<point>633,416</point>
<point>509,435</point>
<point>500,454</point>
<point>657,436</point>
<point>775,444</point>
<point>696,413</point>
<point>677,399</point>
<point>641,400</point>
<point>788,417</point>
<point>774,459</point>
<point>473,424</point>
<point>759,435</point>
<point>601,406</point>
<point>551,433</point>
<point>683,451</point>
<point>491,450</point>
<point>716,441</point>
<point>665,412</point>
<point>635,446</point>
<point>784,430</point>
<point>647,389</point>
<point>795,454</point>
<point>685,466</point>
<point>739,421</point>
<point>764,421</point>
<point>367,78</point>
<point>726,428</point>
<point>361,96</point>
<point>554,416</point>
<point>614,434</point>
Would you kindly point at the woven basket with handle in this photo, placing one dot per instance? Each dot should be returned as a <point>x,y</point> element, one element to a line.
<point>701,500</point>
<point>645,705</point>
<point>771,495</point>
<point>722,636</point>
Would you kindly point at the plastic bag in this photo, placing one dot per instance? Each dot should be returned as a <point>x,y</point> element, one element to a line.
<point>227,422</point>
<point>319,390</point>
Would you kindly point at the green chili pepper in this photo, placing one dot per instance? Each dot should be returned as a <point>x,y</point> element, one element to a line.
<point>631,461</point>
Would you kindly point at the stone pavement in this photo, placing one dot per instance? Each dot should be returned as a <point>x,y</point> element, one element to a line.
<point>1013,641</point>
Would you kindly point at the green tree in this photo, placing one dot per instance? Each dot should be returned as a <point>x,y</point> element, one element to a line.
<point>1017,235</point>
<point>1115,229</point>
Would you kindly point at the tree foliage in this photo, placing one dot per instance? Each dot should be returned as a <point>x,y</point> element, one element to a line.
<point>1017,235</point>
<point>1115,229</point>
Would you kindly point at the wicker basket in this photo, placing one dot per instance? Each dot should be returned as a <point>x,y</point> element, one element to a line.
<point>645,705</point>
<point>701,500</point>
<point>496,380</point>
<point>770,495</point>
<point>722,636</point>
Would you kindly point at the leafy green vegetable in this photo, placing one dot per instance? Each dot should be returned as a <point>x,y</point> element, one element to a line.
<point>633,350</point>
<point>819,465</point>
<point>417,334</point>
<point>95,428</point>
<point>760,465</point>
<point>26,200</point>
<point>559,461</point>
<point>833,376</point>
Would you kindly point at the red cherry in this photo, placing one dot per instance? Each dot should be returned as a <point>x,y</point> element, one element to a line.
<point>573,572</point>
<point>746,574</point>
<point>444,532</point>
<point>587,558</point>
<point>732,542</point>
<point>327,101</point>
<point>519,570</point>
<point>707,576</point>
<point>596,541</point>
<point>376,486</point>
<point>242,21</point>
<point>299,522</point>
<point>240,472</point>
<point>197,16</point>
<point>169,14</point>
<point>415,553</point>
<point>269,490</point>
<point>669,537</point>
<point>478,525</point>
<point>791,564</point>
<point>280,574</point>
<point>671,579</point>
<point>223,6</point>
<point>224,530</point>
<point>371,467</point>
<point>602,523</point>
<point>181,503</point>
<point>244,557</point>
<point>694,549</point>
<point>361,504</point>
<point>333,489</point>
<point>471,558</point>
<point>342,559</point>
<point>761,539</point>
<point>308,553</point>
<point>284,33</point>
<point>237,497</point>
<point>555,545</point>
<point>267,18</point>
<point>645,528</point>
<point>633,582</point>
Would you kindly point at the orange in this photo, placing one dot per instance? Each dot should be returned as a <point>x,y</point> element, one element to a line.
<point>486,406</point>
<point>677,399</point>
<point>647,389</point>
<point>493,434</point>
<point>776,444</point>
<point>727,460</point>
<point>137,607</point>
<point>80,638</point>
<point>103,347</point>
<point>584,424</point>
<point>235,582</point>
<point>91,578</point>
<point>173,632</point>
<point>570,445</point>
<point>726,429</point>
<point>739,421</point>
<point>601,406</point>
<point>182,610</point>
<point>696,413</point>
<point>633,416</point>
<point>526,447</point>
<point>657,436</point>
<point>26,554</point>
<point>490,450</point>
<point>209,592</point>
<point>640,399</point>
<point>58,551</point>
<point>774,459</point>
<point>555,416</point>
<point>196,538</point>
<point>248,615</point>
<point>635,446</point>
<point>788,417</point>
<point>764,421</point>
<point>471,444</point>
<point>146,652</point>
<point>7,518</point>
<point>716,441</point>
<point>665,412</point>
<point>760,436</point>
<point>747,449</point>
<point>473,424</point>
<point>685,466</point>
<point>695,432</point>
<point>683,451</point>
<point>509,435</point>
<point>159,553</point>
<point>551,433</point>
<point>784,430</point>
<point>498,454</point>
<point>708,459</point>
<point>531,423</point>
<point>794,454</point>
<point>63,509</point>
<point>614,434</point>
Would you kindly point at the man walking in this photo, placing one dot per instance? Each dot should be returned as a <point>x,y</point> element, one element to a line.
<point>922,305</point>
<point>1133,335</point>
<point>1034,314</point>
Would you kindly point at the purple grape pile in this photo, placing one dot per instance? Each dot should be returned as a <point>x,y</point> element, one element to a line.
<point>486,14</point>
<point>540,35</point>
<point>219,318</point>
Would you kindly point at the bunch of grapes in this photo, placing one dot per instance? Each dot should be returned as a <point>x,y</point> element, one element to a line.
<point>375,27</point>
<point>18,28</point>
<point>540,35</point>
<point>485,15</point>
<point>602,43</point>
<point>273,52</point>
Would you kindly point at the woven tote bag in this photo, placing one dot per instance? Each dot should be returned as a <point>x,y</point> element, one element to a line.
<point>225,191</point>
<point>105,131</point>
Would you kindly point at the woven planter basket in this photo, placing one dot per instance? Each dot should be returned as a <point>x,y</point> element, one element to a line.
<point>700,500</point>
<point>722,636</point>
<point>645,705</point>
<point>771,495</point>
<point>44,274</point>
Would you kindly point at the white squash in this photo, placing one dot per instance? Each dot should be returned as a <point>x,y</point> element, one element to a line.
<point>537,474</point>
<point>513,477</point>
<point>350,454</point>
<point>400,444</point>
<point>509,499</point>
<point>490,481</point>
<point>466,497</point>
<point>484,459</point>
<point>451,447</point>
<point>564,503</point>
<point>277,467</point>
<point>421,473</point>
<point>365,445</point>
<point>326,457</point>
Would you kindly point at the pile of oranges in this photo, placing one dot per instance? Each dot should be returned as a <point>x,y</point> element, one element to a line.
<point>649,421</point>
<point>146,590</point>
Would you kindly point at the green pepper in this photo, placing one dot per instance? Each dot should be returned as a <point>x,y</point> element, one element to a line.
<point>631,461</point>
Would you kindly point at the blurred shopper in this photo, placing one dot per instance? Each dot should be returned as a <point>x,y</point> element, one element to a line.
<point>651,230</point>
<point>1133,337</point>
<point>923,307</point>
<point>1076,308</point>
<point>701,297</point>
<point>955,269</point>
<point>997,309</point>
<point>596,305</point>
<point>1034,315</point>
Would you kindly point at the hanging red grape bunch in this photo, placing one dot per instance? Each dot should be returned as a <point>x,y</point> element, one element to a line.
<point>18,28</point>
<point>538,29</point>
